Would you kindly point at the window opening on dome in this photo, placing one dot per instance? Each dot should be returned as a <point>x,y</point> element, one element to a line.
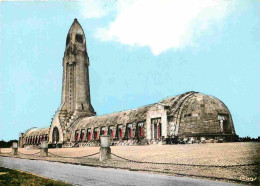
<point>223,121</point>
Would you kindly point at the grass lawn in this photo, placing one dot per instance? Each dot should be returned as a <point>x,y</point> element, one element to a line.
<point>13,177</point>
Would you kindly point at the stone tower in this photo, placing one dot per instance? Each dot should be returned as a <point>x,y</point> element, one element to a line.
<point>75,101</point>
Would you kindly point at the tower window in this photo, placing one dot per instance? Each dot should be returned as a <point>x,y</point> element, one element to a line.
<point>79,38</point>
<point>82,106</point>
<point>68,39</point>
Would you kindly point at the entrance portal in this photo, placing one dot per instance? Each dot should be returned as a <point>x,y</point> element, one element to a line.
<point>55,135</point>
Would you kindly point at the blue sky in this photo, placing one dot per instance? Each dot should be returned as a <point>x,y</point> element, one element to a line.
<point>140,53</point>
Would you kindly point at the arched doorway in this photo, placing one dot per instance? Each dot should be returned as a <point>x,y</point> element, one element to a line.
<point>55,135</point>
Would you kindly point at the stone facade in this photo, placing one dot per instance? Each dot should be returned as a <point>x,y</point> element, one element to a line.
<point>188,117</point>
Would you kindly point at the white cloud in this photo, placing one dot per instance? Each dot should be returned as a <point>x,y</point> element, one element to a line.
<point>96,8</point>
<point>162,24</point>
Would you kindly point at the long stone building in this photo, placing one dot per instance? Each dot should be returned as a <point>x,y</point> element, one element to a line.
<point>189,117</point>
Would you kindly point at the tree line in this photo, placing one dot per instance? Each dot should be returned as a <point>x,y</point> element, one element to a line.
<point>7,144</point>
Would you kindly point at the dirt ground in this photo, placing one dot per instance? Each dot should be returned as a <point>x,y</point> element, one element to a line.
<point>192,154</point>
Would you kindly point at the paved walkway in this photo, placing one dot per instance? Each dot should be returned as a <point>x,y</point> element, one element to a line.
<point>84,175</point>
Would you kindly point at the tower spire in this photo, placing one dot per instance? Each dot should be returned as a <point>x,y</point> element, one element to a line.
<point>75,89</point>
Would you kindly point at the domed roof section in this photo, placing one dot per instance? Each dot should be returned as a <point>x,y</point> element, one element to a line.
<point>203,114</point>
<point>209,104</point>
<point>76,34</point>
<point>37,131</point>
<point>189,98</point>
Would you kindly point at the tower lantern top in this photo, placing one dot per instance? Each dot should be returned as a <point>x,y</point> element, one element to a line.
<point>76,34</point>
